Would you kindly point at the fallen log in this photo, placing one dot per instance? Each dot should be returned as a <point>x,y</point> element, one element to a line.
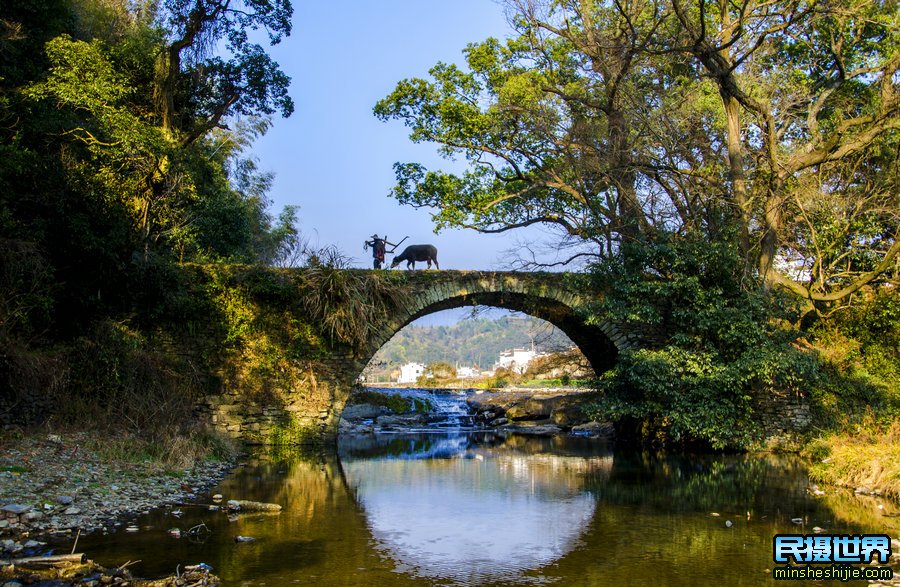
<point>44,562</point>
<point>243,505</point>
<point>70,572</point>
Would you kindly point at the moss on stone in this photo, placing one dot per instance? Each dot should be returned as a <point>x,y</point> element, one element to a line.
<point>293,432</point>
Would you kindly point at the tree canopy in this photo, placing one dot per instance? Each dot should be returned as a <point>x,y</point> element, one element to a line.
<point>123,143</point>
<point>773,124</point>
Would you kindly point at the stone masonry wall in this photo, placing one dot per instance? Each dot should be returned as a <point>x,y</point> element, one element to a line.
<point>305,402</point>
<point>782,415</point>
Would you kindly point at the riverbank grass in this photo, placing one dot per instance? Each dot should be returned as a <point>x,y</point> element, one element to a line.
<point>166,450</point>
<point>865,457</point>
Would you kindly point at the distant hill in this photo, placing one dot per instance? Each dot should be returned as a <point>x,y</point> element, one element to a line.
<point>469,342</point>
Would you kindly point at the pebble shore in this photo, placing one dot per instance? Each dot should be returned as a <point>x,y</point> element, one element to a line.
<point>53,488</point>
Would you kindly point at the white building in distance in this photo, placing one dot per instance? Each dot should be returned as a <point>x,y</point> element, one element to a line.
<point>517,359</point>
<point>410,372</point>
<point>466,373</point>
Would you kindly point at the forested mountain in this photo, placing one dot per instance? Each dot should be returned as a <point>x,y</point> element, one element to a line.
<point>470,342</point>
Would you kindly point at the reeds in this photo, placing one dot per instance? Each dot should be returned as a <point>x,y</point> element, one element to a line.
<point>863,456</point>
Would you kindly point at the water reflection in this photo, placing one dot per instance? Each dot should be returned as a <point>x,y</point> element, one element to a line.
<point>470,509</point>
<point>436,509</point>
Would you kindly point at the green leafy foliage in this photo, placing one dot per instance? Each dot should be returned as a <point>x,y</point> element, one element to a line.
<point>773,124</point>
<point>860,347</point>
<point>95,184</point>
<point>722,345</point>
<point>119,163</point>
<point>500,379</point>
<point>437,374</point>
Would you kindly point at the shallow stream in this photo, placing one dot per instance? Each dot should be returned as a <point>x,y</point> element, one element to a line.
<point>478,508</point>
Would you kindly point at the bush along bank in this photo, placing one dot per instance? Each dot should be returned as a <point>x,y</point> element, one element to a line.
<point>738,367</point>
<point>724,369</point>
<point>855,441</point>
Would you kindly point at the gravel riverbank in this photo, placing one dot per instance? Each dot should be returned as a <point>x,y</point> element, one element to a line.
<point>52,487</point>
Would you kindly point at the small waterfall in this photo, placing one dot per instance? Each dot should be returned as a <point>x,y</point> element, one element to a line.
<point>449,410</point>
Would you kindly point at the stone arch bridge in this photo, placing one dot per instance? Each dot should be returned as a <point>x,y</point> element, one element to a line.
<point>311,407</point>
<point>275,387</point>
<point>554,297</point>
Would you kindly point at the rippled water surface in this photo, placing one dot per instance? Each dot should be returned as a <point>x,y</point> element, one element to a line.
<point>464,508</point>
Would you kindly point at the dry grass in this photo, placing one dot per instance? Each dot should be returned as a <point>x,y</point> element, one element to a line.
<point>866,455</point>
<point>348,306</point>
<point>130,399</point>
<point>170,449</point>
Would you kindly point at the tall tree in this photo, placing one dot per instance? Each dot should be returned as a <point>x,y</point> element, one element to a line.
<point>209,69</point>
<point>772,121</point>
<point>817,82</point>
<point>93,181</point>
<point>548,122</point>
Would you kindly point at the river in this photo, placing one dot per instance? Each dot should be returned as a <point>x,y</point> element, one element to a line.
<point>462,507</point>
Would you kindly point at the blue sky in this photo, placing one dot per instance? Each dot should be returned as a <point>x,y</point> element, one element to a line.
<point>333,158</point>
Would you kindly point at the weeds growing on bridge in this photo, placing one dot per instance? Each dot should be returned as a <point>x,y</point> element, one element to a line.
<point>349,306</point>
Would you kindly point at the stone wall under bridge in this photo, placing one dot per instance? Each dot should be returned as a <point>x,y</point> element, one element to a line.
<point>305,401</point>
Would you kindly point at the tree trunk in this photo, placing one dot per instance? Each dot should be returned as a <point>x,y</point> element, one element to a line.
<point>44,562</point>
<point>741,211</point>
<point>769,244</point>
<point>631,217</point>
<point>168,65</point>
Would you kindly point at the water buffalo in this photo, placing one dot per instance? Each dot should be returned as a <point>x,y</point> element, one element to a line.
<point>414,253</point>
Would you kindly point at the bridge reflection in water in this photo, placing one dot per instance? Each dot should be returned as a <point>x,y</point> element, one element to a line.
<point>481,509</point>
<point>447,507</point>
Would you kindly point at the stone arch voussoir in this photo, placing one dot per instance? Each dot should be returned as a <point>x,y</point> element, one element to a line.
<point>542,295</point>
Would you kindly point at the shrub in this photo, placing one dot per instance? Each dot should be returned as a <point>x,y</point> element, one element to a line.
<point>720,342</point>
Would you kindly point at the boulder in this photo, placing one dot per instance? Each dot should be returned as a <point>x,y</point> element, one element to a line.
<point>532,409</point>
<point>400,421</point>
<point>595,430</point>
<point>356,412</point>
<point>15,508</point>
<point>244,505</point>
<point>494,401</point>
<point>489,413</point>
<point>538,430</point>
<point>568,416</point>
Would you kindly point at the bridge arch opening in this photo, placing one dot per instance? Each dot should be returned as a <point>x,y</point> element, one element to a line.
<point>591,340</point>
<point>560,299</point>
<point>471,346</point>
<point>554,304</point>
